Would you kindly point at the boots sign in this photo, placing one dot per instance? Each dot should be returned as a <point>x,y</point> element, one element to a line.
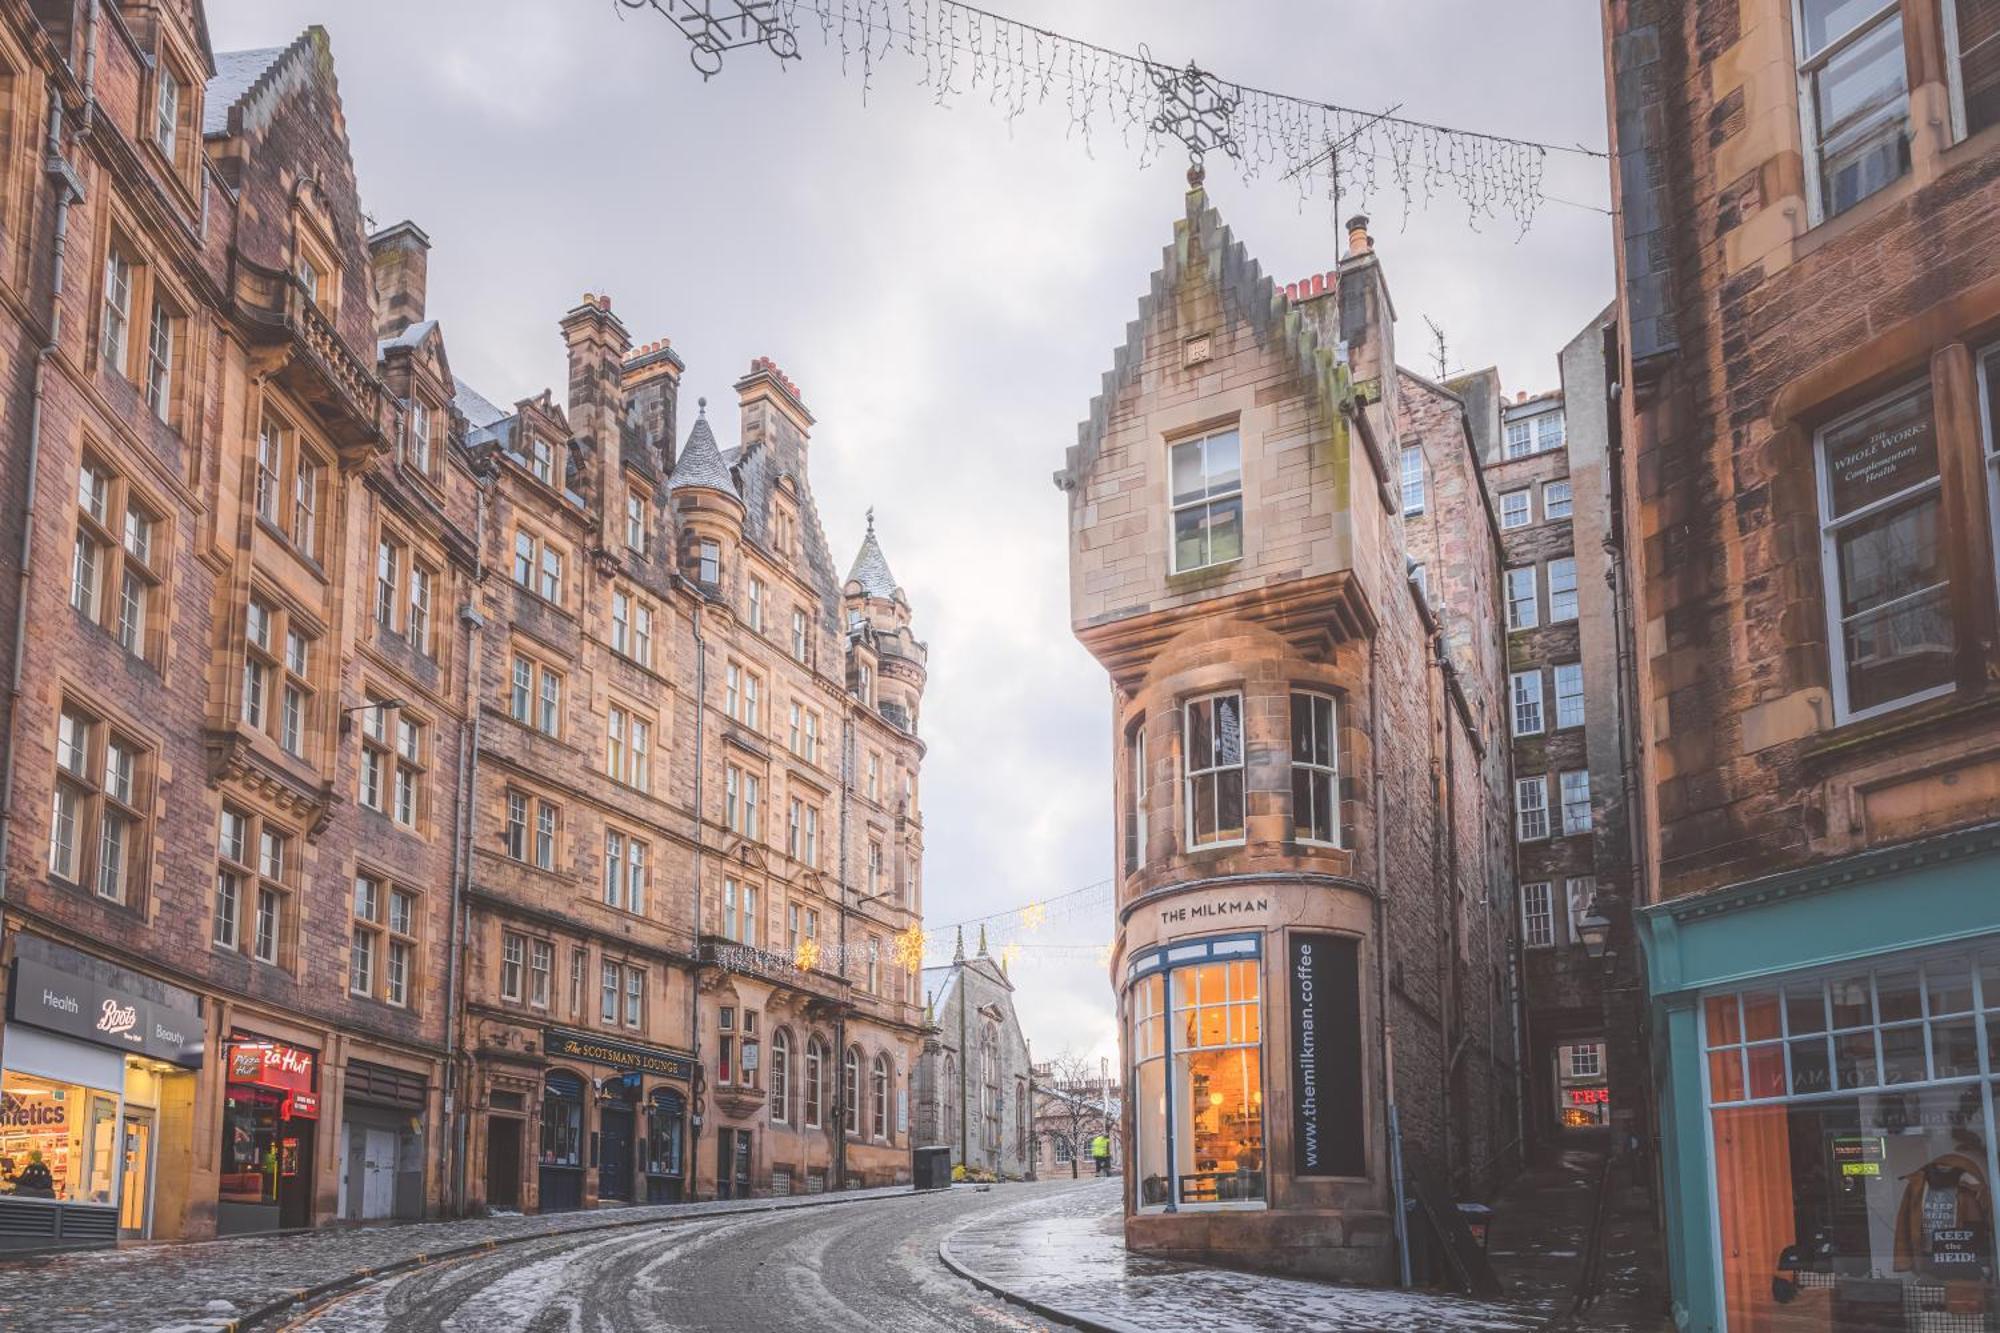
<point>92,1011</point>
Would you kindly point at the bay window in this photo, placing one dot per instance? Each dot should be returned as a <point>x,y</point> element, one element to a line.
<point>1214,740</point>
<point>1195,1025</point>
<point>1887,582</point>
<point>1315,770</point>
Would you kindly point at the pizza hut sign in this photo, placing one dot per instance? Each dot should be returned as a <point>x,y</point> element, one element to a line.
<point>271,1064</point>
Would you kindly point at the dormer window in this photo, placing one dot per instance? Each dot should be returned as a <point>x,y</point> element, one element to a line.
<point>166,110</point>
<point>420,436</point>
<point>542,460</point>
<point>310,277</point>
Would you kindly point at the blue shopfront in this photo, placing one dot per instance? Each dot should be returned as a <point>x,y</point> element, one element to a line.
<point>1827,1054</point>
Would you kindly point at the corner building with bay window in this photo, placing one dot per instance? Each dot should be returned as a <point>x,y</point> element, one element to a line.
<point>1315,911</point>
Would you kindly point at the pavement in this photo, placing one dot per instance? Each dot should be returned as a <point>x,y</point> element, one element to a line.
<point>1064,1254</point>
<point>1545,1224</point>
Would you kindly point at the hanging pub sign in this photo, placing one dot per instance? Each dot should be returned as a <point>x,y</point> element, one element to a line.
<point>1323,977</point>
<point>88,1009</point>
<point>1887,451</point>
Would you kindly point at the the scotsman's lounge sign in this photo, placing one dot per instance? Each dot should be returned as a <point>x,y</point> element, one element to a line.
<point>1323,976</point>
<point>568,1044</point>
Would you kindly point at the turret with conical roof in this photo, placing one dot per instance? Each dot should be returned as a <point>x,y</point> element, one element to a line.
<point>885,661</point>
<point>708,505</point>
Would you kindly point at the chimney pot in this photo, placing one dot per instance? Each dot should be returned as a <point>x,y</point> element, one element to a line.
<point>1358,242</point>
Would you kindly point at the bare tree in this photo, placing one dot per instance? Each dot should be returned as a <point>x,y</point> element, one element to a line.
<point>1070,1104</point>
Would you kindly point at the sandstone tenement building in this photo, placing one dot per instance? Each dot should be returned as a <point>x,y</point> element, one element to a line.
<point>410,803</point>
<point>1808,205</point>
<point>1315,904</point>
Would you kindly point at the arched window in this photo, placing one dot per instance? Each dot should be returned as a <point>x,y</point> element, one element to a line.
<point>815,1082</point>
<point>948,1131</point>
<point>781,1076</point>
<point>879,1091</point>
<point>850,1091</point>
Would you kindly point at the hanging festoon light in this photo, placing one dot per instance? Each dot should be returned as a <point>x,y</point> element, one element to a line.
<point>909,947</point>
<point>1344,154</point>
<point>1034,916</point>
<point>806,956</point>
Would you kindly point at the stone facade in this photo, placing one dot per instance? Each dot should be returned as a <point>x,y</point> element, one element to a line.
<point>271,764</point>
<point>1312,819</point>
<point>974,1083</point>
<point>1802,445</point>
<point>1068,1115</point>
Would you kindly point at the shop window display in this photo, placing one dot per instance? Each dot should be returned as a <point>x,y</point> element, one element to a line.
<point>57,1140</point>
<point>1199,1077</point>
<point>1853,1123</point>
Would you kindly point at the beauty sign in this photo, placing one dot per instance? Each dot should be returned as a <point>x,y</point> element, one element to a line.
<point>86,1008</point>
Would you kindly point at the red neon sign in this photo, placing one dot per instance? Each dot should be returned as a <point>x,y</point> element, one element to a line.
<point>1589,1096</point>
<point>271,1064</point>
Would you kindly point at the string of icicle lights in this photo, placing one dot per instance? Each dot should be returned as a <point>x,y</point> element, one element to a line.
<point>962,53</point>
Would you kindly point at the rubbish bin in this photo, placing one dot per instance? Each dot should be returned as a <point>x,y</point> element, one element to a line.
<point>1479,1221</point>
<point>931,1168</point>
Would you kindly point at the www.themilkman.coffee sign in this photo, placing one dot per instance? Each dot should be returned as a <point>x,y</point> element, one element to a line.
<point>91,1011</point>
<point>1323,977</point>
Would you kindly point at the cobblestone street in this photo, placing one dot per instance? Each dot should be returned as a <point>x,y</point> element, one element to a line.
<point>998,1260</point>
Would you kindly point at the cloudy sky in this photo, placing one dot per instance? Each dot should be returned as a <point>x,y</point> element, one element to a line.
<point>946,289</point>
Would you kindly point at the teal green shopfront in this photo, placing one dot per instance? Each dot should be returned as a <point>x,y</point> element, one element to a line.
<point>1827,1056</point>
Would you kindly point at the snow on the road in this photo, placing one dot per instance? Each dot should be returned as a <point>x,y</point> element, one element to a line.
<point>1067,1252</point>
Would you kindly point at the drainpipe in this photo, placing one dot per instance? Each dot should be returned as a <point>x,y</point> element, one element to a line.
<point>69,191</point>
<point>461,862</point>
<point>1442,853</point>
<point>89,70</point>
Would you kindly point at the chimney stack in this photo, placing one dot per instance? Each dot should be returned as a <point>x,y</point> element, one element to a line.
<point>1358,241</point>
<point>773,414</point>
<point>652,381</point>
<point>597,345</point>
<point>400,257</point>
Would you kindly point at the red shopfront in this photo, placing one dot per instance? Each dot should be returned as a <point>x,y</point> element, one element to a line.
<point>270,1110</point>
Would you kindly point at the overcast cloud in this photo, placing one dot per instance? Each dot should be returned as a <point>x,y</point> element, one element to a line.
<point>946,291</point>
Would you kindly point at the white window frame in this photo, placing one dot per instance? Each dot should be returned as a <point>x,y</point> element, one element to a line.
<point>1520,447</point>
<point>1575,608</point>
<point>1829,546</point>
<point>1538,910</point>
<point>1539,785</point>
<point>1579,695</point>
<point>1550,502</point>
<point>1519,695</point>
<point>1330,770</point>
<point>1420,481</point>
<point>1579,892</point>
<point>1525,517</point>
<point>1808,66</point>
<point>1216,771</point>
<point>1579,780</point>
<point>1208,499</point>
<point>1533,619</point>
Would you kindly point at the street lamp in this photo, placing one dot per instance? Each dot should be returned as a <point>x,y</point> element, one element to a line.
<point>371,705</point>
<point>1594,926</point>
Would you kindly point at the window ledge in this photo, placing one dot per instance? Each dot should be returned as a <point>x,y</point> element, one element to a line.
<point>1911,720</point>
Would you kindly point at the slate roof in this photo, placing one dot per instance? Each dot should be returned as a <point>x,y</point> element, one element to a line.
<point>701,461</point>
<point>409,337</point>
<point>871,567</point>
<point>235,73</point>
<point>474,405</point>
